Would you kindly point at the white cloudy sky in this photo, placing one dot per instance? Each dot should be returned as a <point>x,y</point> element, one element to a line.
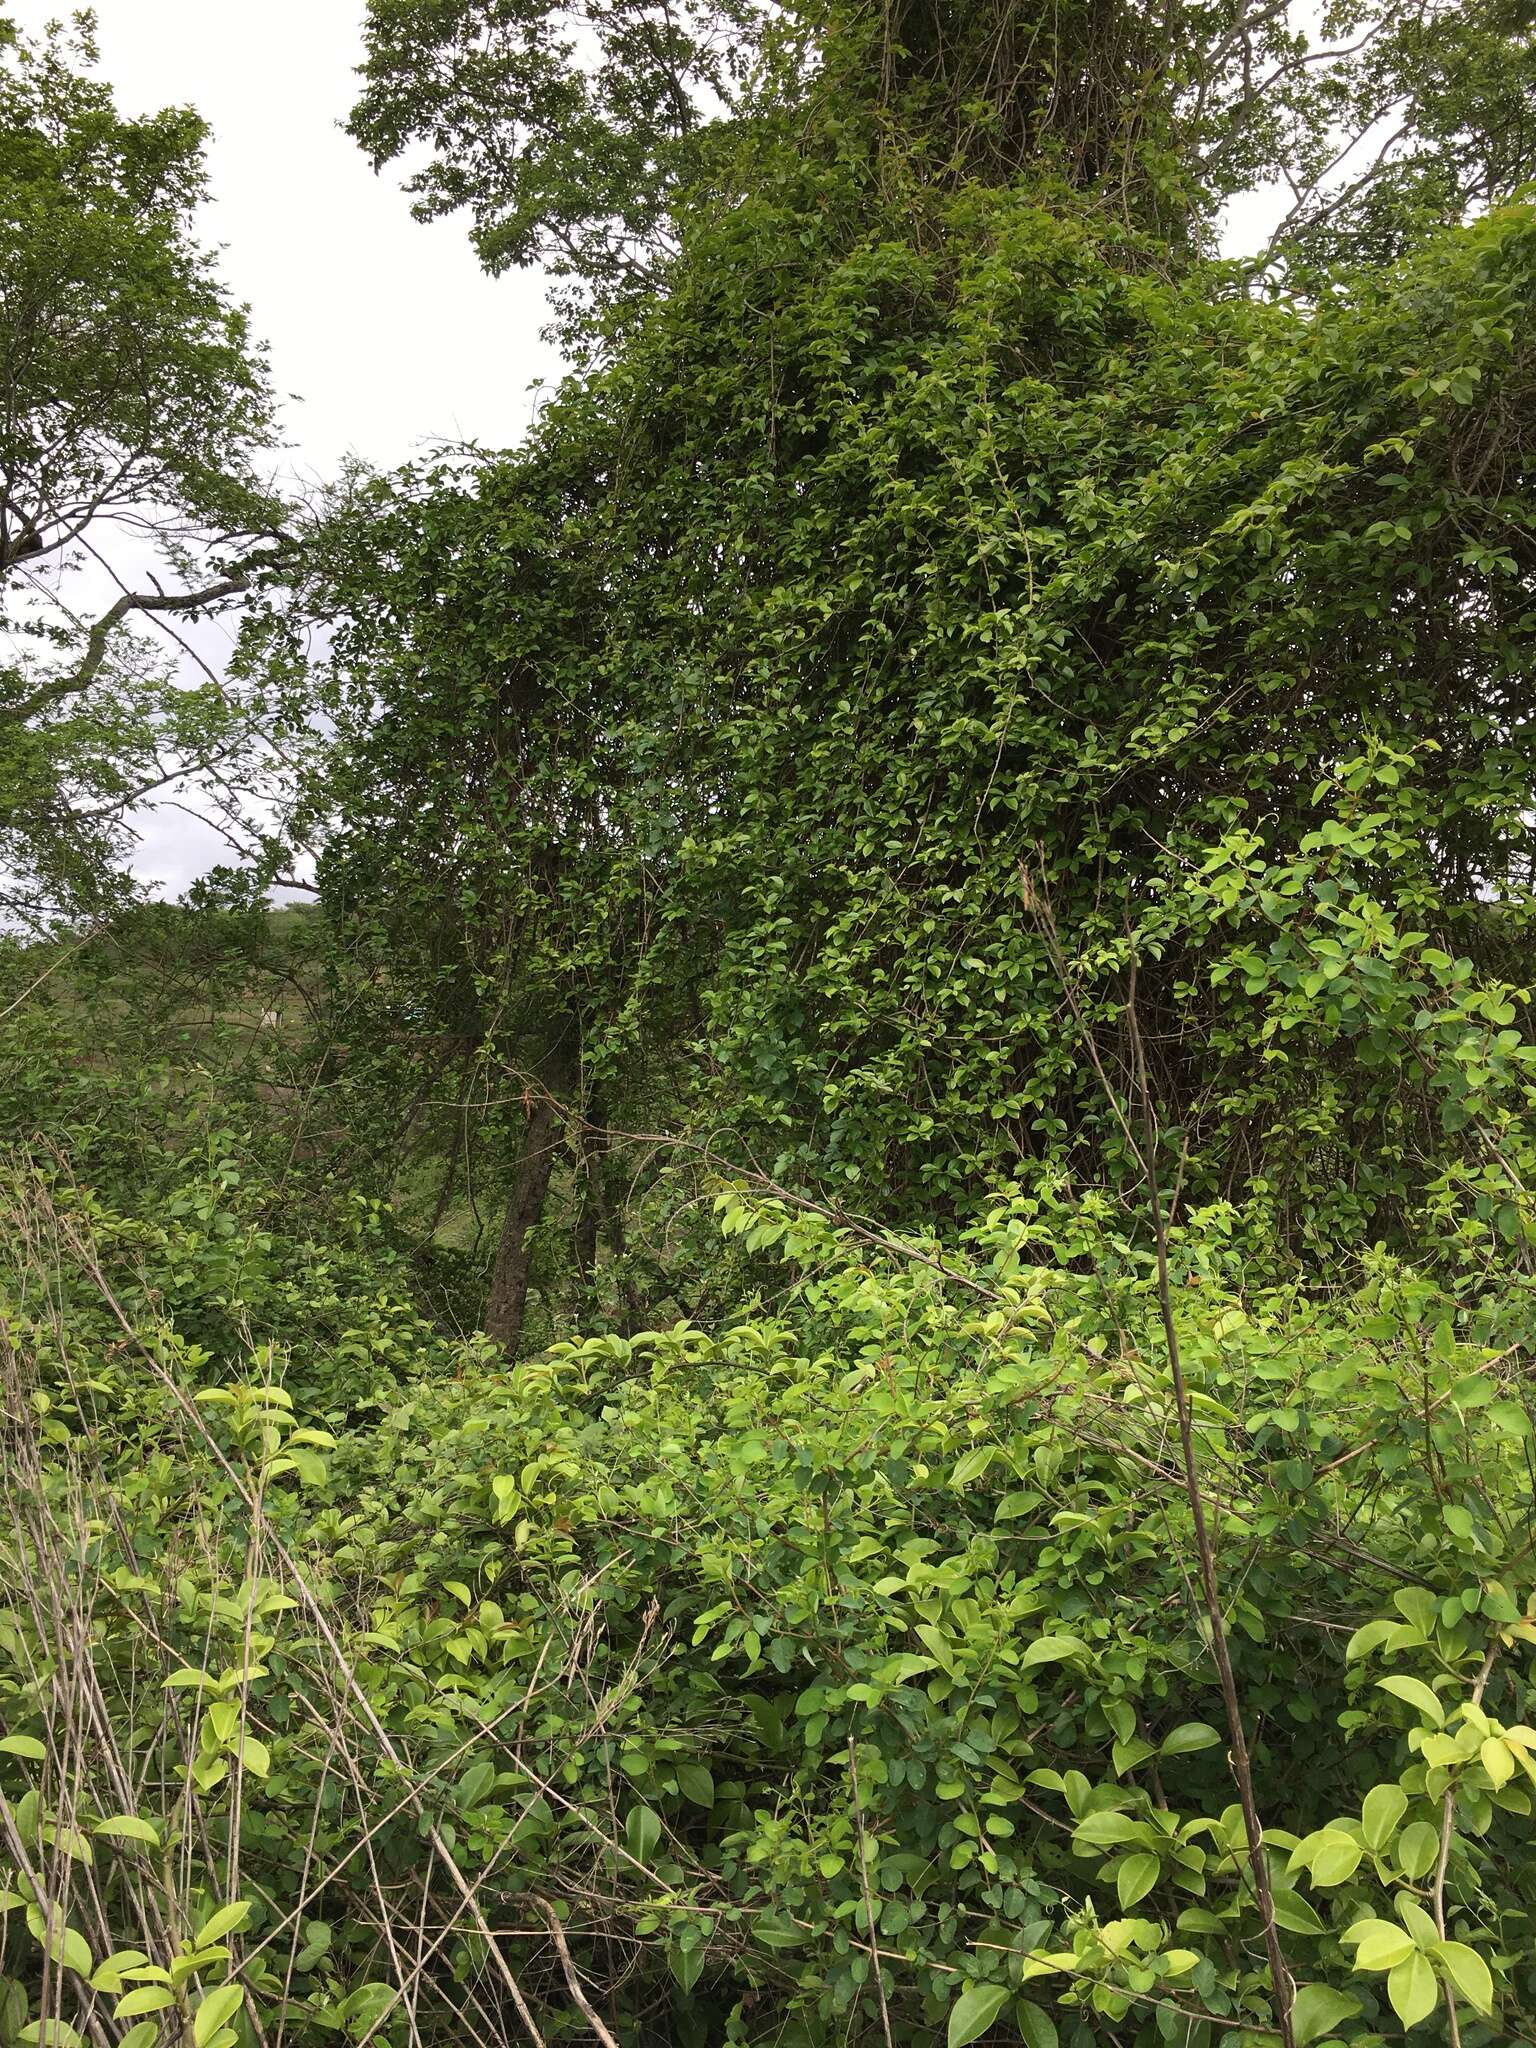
<point>386,331</point>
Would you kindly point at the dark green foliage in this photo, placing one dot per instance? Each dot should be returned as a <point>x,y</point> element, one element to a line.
<point>929,620</point>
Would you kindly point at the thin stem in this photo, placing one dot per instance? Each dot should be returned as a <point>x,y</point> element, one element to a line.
<point>869,1909</point>
<point>1241,1767</point>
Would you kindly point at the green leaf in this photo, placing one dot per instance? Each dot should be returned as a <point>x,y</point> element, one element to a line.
<point>1378,1944</point>
<point>1293,1913</point>
<point>1416,1603</point>
<point>1012,1505</point>
<point>1468,1972</point>
<point>774,1932</point>
<point>1107,1830</point>
<point>70,1949</point>
<point>971,1464</point>
<point>309,1465</point>
<point>23,1745</point>
<point>1036,2028</point>
<point>1336,1857</point>
<point>1318,2009</point>
<point>1417,1694</point>
<point>474,1785</point>
<point>642,1833</point>
<point>1412,1989</point>
<point>363,2009</point>
<point>943,1649</point>
<point>13,2008</point>
<point>112,1972</point>
<point>1051,1650</point>
<point>148,1998</point>
<point>974,2011</point>
<point>227,1920</point>
<point>1417,1847</point>
<point>1369,1638</point>
<point>1497,1762</point>
<point>145,2035</point>
<point>218,2007</point>
<point>686,1964</point>
<point>1188,1737</point>
<point>129,1828</point>
<point>1382,1809</point>
<point>1134,1878</point>
<point>696,1783</point>
<point>1416,1920</point>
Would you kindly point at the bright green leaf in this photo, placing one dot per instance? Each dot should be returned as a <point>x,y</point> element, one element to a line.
<point>1134,1878</point>
<point>148,1998</point>
<point>1468,1972</point>
<point>218,2007</point>
<point>1318,2009</point>
<point>129,1828</point>
<point>974,2011</point>
<point>1417,1694</point>
<point>1412,1990</point>
<point>1188,1737</point>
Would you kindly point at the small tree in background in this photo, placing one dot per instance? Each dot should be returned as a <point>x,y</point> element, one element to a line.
<point>133,410</point>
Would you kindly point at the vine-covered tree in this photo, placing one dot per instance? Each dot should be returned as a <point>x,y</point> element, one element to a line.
<point>989,604</point>
<point>1013,738</point>
<point>581,137</point>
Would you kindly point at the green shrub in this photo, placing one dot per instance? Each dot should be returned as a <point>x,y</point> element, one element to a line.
<point>716,1648</point>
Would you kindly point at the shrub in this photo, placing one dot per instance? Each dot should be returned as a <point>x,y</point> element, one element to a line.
<point>839,1673</point>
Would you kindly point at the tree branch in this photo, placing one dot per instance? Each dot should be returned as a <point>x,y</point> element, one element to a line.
<point>54,691</point>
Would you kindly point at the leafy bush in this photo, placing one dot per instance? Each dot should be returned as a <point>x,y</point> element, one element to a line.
<point>863,1635</point>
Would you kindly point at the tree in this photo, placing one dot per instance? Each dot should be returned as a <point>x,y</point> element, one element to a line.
<point>134,407</point>
<point>565,135</point>
<point>1025,607</point>
<point>583,138</point>
<point>502,814</point>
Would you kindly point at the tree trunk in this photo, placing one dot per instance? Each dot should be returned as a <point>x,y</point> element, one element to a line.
<point>509,1275</point>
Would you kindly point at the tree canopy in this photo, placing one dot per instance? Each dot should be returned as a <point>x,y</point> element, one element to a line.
<point>586,138</point>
